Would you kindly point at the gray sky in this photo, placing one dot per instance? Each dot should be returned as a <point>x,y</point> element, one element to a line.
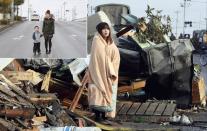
<point>195,11</point>
<point>55,6</point>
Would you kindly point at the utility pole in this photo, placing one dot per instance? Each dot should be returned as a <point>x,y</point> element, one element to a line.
<point>206,15</point>
<point>61,11</point>
<point>184,14</point>
<point>28,10</point>
<point>58,14</point>
<point>64,3</point>
<point>177,12</point>
<point>184,9</point>
<point>12,11</point>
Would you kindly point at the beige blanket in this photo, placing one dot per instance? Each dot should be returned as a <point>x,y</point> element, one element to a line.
<point>103,70</point>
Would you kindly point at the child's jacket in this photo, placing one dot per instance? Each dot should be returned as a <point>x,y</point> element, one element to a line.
<point>36,37</point>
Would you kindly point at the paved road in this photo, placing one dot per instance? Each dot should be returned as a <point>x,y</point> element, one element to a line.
<point>69,41</point>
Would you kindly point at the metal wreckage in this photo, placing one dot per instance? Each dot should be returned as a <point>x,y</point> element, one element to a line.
<point>162,82</point>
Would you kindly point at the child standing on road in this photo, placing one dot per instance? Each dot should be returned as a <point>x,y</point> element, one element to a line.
<point>36,37</point>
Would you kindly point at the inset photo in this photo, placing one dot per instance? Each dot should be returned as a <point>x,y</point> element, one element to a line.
<point>43,28</point>
<point>147,57</point>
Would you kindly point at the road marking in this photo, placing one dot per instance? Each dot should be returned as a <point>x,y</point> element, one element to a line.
<point>74,35</point>
<point>18,37</point>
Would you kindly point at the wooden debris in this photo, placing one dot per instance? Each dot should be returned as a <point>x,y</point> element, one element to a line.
<point>76,98</point>
<point>7,91</point>
<point>133,87</point>
<point>149,108</point>
<point>13,113</point>
<point>6,125</point>
<point>67,102</point>
<point>15,76</point>
<point>160,109</point>
<point>13,86</point>
<point>198,90</point>
<point>46,81</point>
<point>39,120</point>
<point>41,98</point>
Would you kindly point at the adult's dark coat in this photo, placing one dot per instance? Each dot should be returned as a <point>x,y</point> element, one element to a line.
<point>48,27</point>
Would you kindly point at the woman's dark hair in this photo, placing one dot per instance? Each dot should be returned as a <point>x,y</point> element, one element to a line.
<point>100,27</point>
<point>48,11</point>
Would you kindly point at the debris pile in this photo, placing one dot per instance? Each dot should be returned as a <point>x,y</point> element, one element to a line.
<point>27,102</point>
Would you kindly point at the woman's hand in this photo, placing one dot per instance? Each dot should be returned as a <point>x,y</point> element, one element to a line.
<point>85,79</point>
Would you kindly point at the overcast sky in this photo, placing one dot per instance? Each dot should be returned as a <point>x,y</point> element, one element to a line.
<point>195,11</point>
<point>55,6</point>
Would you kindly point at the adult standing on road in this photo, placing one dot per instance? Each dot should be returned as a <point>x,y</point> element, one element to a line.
<point>102,75</point>
<point>48,30</point>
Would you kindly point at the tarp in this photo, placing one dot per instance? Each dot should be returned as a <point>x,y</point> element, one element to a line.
<point>4,62</point>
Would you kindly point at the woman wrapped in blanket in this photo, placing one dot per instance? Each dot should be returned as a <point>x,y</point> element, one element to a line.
<point>102,74</point>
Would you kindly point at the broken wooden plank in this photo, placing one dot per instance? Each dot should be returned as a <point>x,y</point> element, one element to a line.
<point>13,113</point>
<point>39,120</point>
<point>160,109</point>
<point>151,109</point>
<point>76,98</point>
<point>169,110</point>
<point>46,81</point>
<point>10,100</point>
<point>198,90</point>
<point>133,109</point>
<point>8,126</point>
<point>135,85</point>
<point>22,123</point>
<point>36,77</point>
<point>125,108</point>
<point>138,84</point>
<point>23,101</point>
<point>13,86</point>
<point>142,108</point>
<point>6,90</point>
<point>67,102</point>
<point>119,105</point>
<point>40,98</point>
<point>15,76</point>
<point>123,89</point>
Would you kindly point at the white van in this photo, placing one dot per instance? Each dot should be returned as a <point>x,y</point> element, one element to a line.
<point>35,17</point>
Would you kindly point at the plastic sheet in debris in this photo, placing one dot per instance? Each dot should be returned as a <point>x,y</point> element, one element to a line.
<point>78,66</point>
<point>4,62</point>
<point>71,128</point>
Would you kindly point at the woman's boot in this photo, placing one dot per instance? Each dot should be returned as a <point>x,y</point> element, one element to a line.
<point>97,115</point>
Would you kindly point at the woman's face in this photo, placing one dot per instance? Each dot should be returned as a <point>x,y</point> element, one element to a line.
<point>47,15</point>
<point>105,32</point>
